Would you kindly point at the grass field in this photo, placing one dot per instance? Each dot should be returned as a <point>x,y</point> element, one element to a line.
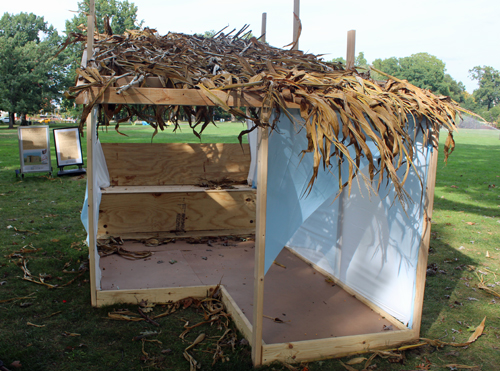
<point>57,329</point>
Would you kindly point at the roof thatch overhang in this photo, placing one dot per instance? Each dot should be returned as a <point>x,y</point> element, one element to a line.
<point>177,73</point>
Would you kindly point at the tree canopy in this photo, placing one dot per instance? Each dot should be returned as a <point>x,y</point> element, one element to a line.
<point>488,93</point>
<point>30,76</point>
<point>122,15</point>
<point>423,70</point>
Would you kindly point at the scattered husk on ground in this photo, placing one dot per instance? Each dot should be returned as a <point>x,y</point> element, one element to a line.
<point>341,108</point>
<point>213,312</point>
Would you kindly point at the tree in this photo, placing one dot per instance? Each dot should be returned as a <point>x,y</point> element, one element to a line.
<point>122,15</point>
<point>30,77</point>
<point>488,93</point>
<point>422,70</point>
<point>359,61</point>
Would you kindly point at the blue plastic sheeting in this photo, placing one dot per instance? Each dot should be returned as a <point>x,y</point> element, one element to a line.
<point>288,202</point>
<point>367,242</point>
<point>100,180</point>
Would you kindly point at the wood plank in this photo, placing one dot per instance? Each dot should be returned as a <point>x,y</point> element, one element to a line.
<point>352,292</point>
<point>176,212</point>
<point>154,234</point>
<point>181,97</point>
<point>296,23</point>
<point>313,350</point>
<point>175,163</point>
<point>91,123</point>
<point>162,295</point>
<point>260,245</point>
<point>351,45</point>
<point>239,318</point>
<point>172,189</point>
<point>423,252</point>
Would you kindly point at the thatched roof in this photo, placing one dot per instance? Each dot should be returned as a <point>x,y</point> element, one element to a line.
<point>340,107</point>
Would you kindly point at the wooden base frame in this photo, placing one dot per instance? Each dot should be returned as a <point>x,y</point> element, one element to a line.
<point>289,352</point>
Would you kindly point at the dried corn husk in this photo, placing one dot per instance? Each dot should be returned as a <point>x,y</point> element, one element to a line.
<point>340,108</point>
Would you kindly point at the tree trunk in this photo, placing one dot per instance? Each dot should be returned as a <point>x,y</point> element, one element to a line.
<point>12,120</point>
<point>23,120</point>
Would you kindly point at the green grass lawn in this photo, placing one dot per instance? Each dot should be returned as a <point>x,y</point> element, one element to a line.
<point>46,213</point>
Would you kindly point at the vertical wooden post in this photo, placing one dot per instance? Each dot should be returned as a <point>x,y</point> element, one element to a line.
<point>263,27</point>
<point>423,252</point>
<point>90,175</point>
<point>296,11</point>
<point>351,46</point>
<point>260,245</point>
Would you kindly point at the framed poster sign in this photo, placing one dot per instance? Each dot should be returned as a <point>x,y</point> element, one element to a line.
<point>68,150</point>
<point>34,149</point>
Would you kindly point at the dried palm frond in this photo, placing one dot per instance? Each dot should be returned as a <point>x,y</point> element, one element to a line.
<point>341,109</point>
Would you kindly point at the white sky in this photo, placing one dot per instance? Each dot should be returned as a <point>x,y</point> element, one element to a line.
<point>461,33</point>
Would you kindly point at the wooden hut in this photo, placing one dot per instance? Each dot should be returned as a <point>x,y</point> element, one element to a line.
<point>343,175</point>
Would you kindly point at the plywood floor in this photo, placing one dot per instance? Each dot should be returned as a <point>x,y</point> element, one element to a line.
<point>310,307</point>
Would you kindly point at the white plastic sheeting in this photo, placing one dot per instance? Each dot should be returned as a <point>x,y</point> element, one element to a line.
<point>369,243</point>
<point>100,180</point>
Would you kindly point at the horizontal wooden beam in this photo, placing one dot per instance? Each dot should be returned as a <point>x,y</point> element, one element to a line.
<point>175,97</point>
<point>162,295</point>
<point>202,233</point>
<point>312,350</point>
<point>174,189</point>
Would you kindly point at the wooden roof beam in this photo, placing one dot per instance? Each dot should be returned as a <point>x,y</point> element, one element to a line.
<point>181,97</point>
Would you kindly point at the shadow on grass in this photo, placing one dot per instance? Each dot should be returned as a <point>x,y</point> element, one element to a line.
<point>447,269</point>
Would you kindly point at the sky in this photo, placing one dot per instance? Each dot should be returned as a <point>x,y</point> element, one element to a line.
<point>463,34</point>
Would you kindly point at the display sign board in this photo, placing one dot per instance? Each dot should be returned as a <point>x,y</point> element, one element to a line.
<point>68,150</point>
<point>34,149</point>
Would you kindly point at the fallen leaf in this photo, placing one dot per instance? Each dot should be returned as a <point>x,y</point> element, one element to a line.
<point>347,367</point>
<point>32,324</point>
<point>54,240</point>
<point>478,332</point>
<point>462,367</point>
<point>356,361</point>
<point>16,364</point>
<point>470,223</point>
<point>72,334</point>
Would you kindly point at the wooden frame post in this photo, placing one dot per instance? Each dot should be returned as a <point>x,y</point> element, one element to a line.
<point>423,252</point>
<point>296,12</point>
<point>260,245</point>
<point>263,27</point>
<point>351,49</point>
<point>90,175</point>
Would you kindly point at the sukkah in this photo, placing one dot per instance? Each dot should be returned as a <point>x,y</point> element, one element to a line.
<point>340,107</point>
<point>371,249</point>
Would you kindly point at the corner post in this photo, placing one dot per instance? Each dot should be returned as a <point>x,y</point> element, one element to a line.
<point>91,120</point>
<point>423,252</point>
<point>260,245</point>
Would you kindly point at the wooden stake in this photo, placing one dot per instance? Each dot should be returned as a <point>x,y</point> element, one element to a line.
<point>260,246</point>
<point>90,176</point>
<point>423,252</point>
<point>351,46</point>
<point>263,27</point>
<point>296,11</point>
